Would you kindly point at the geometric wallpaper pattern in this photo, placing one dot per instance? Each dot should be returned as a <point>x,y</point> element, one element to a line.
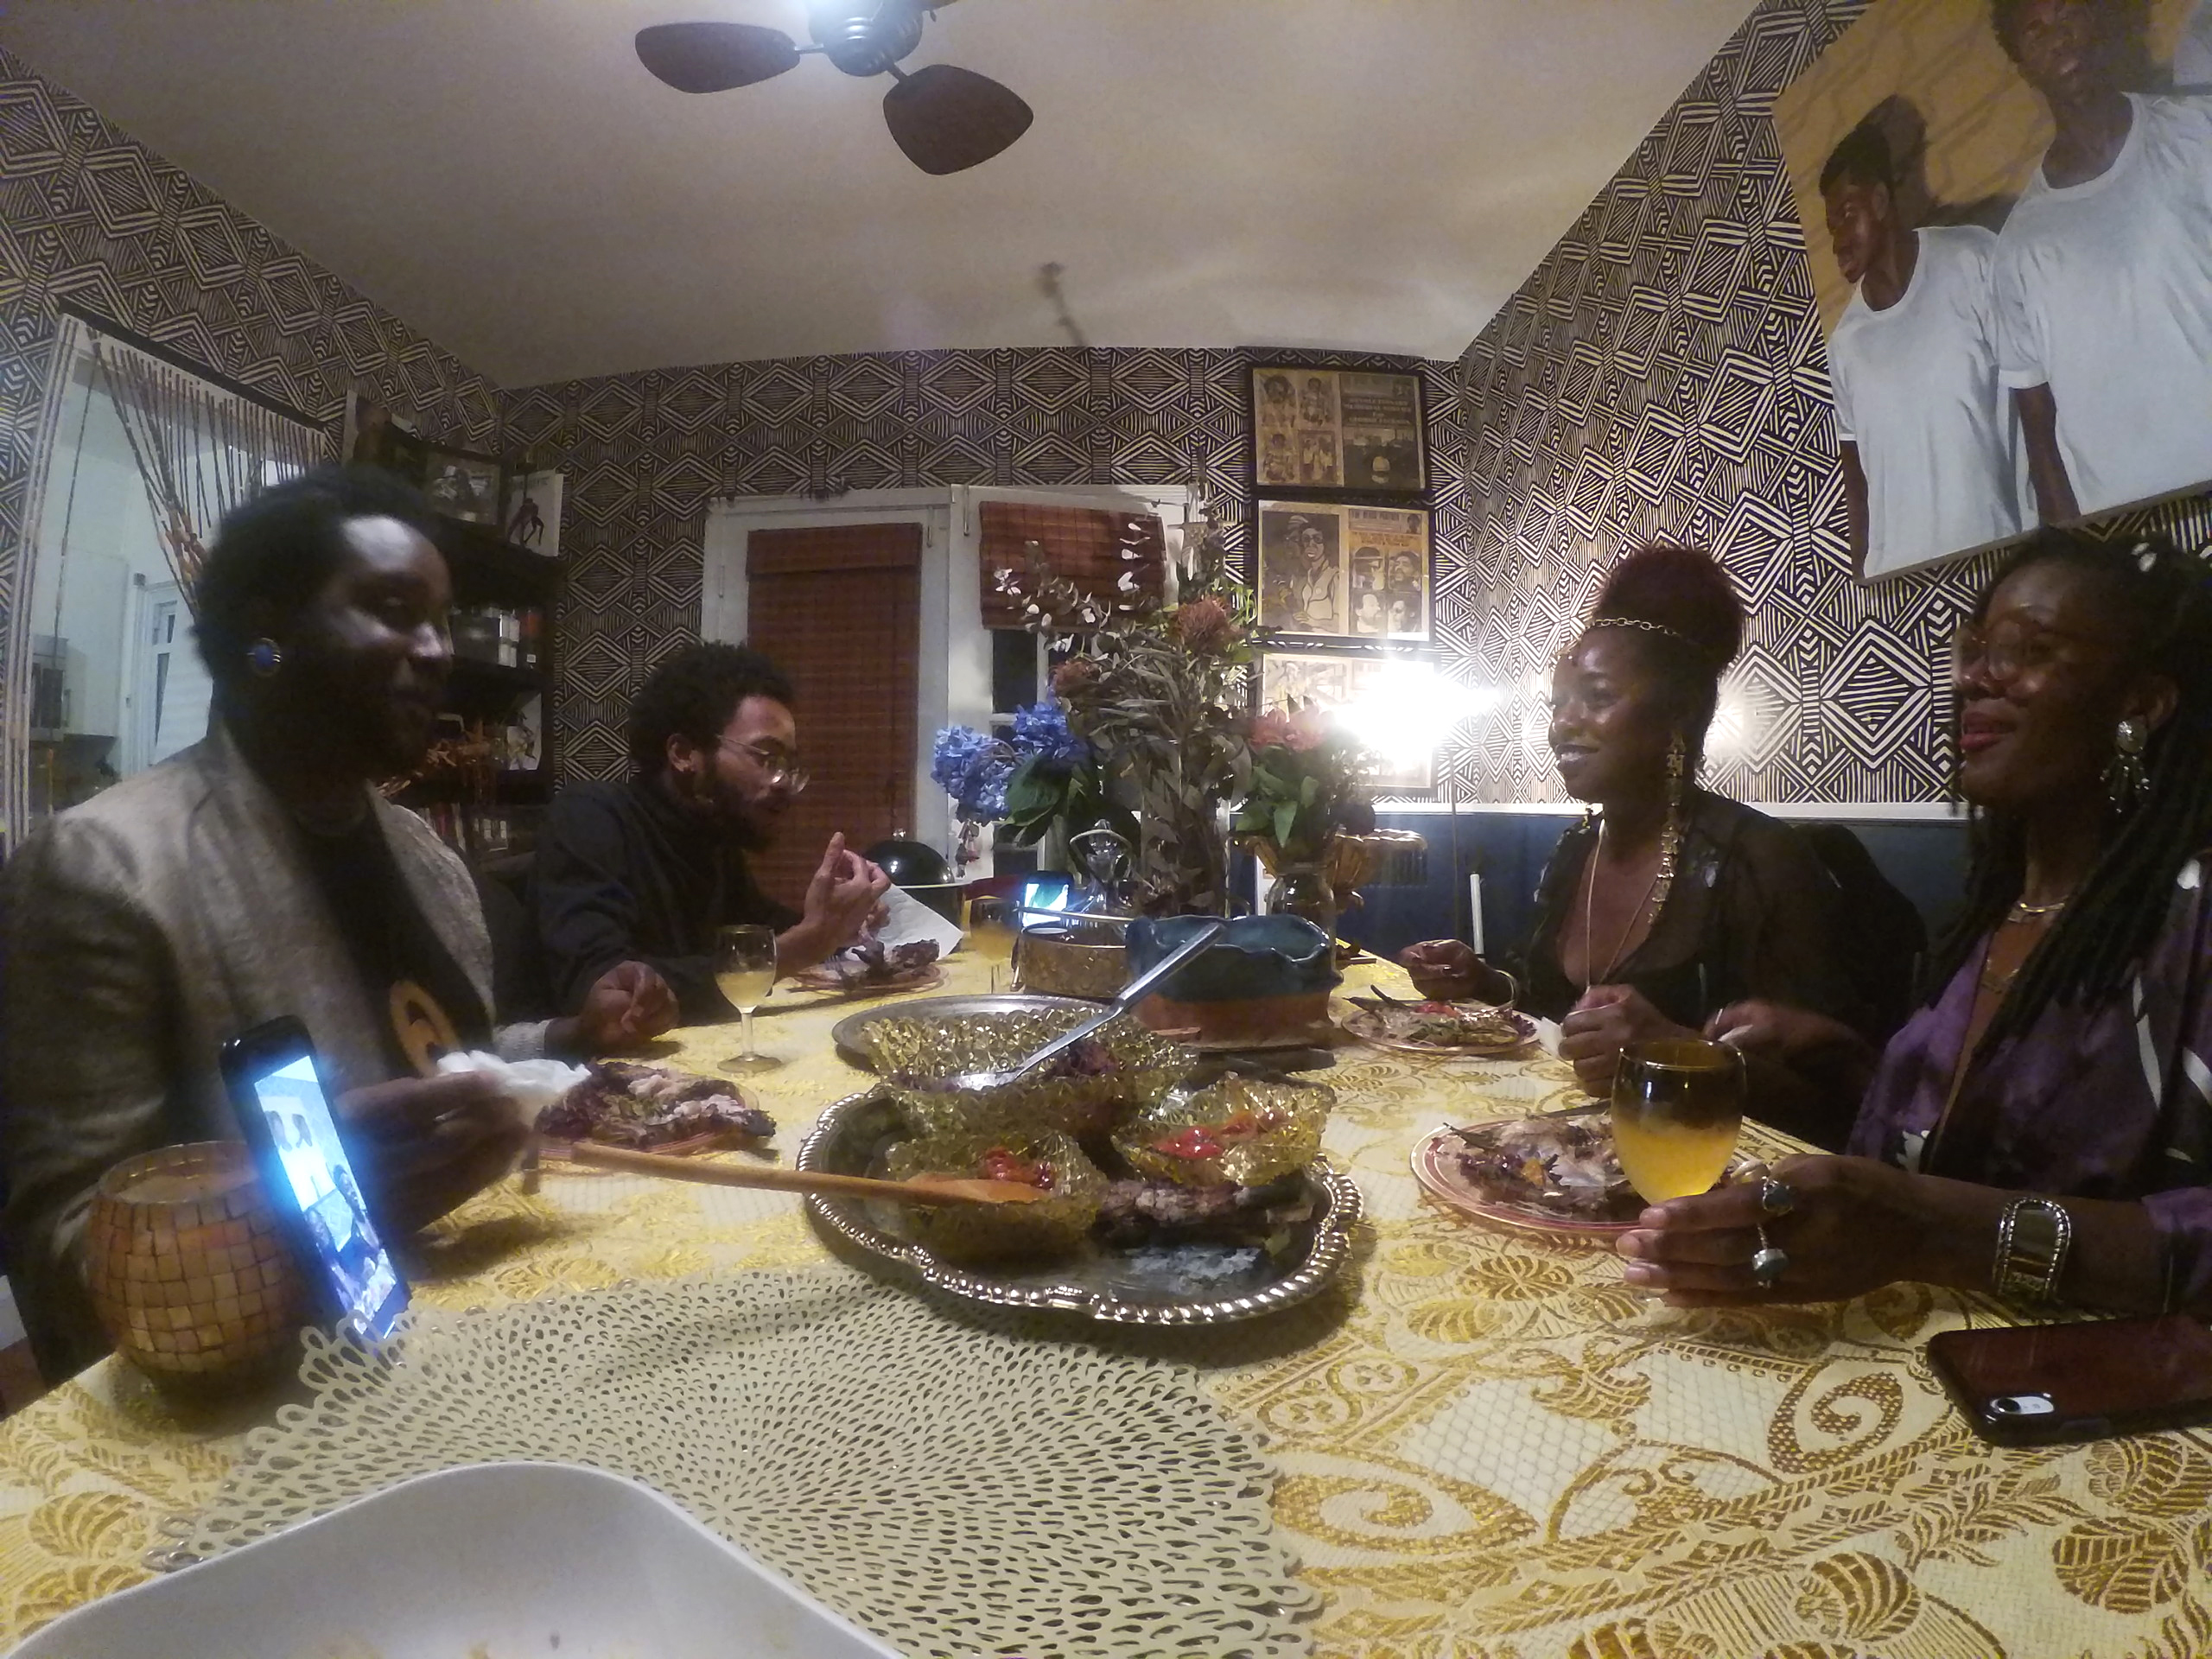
<point>91,217</point>
<point>645,452</point>
<point>1663,375</point>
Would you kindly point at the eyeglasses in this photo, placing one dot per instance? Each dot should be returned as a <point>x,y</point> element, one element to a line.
<point>2007,648</point>
<point>780,770</point>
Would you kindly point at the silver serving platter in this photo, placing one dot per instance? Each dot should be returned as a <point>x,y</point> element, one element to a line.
<point>847,1034</point>
<point>848,1140</point>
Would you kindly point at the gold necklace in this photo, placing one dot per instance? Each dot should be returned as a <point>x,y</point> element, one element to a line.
<point>1590,903</point>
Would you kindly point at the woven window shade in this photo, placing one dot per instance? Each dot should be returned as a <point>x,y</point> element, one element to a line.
<point>838,609</point>
<point>1084,544</point>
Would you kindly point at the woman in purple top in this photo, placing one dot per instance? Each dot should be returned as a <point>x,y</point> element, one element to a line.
<point>2043,1125</point>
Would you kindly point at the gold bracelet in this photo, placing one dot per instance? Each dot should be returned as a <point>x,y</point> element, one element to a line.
<point>2033,1238</point>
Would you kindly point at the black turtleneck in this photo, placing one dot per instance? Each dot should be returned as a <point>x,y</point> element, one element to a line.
<point>624,874</point>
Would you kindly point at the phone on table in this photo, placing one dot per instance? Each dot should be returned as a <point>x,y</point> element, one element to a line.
<point>284,1111</point>
<point>2030,1384</point>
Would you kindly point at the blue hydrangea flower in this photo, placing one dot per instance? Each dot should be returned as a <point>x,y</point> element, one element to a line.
<point>972,767</point>
<point>1042,729</point>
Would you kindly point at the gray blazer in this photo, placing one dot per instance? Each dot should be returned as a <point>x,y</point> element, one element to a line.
<point>146,928</point>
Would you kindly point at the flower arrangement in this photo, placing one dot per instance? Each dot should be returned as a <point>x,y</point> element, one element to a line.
<point>1160,690</point>
<point>1307,778</point>
<point>1041,776</point>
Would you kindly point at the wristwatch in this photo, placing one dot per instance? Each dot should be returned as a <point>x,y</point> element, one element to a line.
<point>2033,1236</point>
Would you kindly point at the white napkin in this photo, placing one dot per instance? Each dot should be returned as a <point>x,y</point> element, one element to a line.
<point>909,919</point>
<point>531,1086</point>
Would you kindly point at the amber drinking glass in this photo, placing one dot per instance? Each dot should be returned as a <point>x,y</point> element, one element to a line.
<point>1678,1105</point>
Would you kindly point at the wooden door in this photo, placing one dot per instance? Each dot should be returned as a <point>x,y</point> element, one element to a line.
<point>838,609</point>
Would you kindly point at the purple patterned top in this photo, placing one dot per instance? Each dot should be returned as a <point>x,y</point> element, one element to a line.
<point>2106,1102</point>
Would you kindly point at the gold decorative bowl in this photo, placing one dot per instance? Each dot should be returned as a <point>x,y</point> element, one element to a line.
<point>1245,1130</point>
<point>1053,1225</point>
<point>191,1273</point>
<point>911,1054</point>
<point>1053,960</point>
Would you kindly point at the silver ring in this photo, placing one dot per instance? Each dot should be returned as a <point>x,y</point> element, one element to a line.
<point>1769,1264</point>
<point>1777,1197</point>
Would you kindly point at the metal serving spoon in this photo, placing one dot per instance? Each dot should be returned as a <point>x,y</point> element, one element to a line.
<point>1132,994</point>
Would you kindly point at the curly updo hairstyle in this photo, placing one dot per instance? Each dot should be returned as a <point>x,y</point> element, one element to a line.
<point>1678,607</point>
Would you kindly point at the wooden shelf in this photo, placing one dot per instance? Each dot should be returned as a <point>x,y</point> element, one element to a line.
<point>489,570</point>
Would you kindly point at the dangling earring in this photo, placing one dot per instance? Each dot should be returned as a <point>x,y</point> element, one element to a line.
<point>2125,781</point>
<point>1670,834</point>
<point>264,657</point>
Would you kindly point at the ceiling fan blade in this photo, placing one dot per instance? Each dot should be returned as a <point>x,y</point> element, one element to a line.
<point>715,57</point>
<point>947,118</point>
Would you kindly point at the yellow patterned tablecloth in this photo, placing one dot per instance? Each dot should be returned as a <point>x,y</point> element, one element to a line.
<point>1489,1446</point>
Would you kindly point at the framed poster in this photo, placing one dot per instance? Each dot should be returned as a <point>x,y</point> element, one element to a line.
<point>1338,429</point>
<point>533,511</point>
<point>2008,344</point>
<point>1333,569</point>
<point>461,485</point>
<point>1292,679</point>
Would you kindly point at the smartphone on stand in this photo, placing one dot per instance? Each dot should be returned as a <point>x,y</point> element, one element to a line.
<point>285,1112</point>
<point>2030,1384</point>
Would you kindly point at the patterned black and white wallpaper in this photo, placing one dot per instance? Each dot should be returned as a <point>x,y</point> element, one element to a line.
<point>89,217</point>
<point>1663,375</point>
<point>645,452</point>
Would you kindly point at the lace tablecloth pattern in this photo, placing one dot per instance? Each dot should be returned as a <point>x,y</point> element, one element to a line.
<point>1489,1448</point>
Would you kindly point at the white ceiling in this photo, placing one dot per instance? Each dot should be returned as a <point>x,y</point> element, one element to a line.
<point>1364,175</point>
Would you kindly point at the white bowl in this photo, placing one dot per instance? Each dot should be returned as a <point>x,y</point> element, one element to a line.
<point>496,1560</point>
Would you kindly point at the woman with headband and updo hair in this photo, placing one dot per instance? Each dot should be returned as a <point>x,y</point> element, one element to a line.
<point>1668,902</point>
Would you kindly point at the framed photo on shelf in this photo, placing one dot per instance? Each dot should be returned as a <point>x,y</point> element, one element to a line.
<point>1334,569</point>
<point>1291,678</point>
<point>1338,429</point>
<point>462,485</point>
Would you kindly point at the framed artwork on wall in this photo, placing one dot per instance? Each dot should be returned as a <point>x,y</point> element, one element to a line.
<point>531,518</point>
<point>1334,570</point>
<point>2005,347</point>
<point>461,485</point>
<point>1291,679</point>
<point>1338,429</point>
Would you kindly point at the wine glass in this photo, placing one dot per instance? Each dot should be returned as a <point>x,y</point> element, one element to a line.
<point>991,934</point>
<point>745,971</point>
<point>1678,1105</point>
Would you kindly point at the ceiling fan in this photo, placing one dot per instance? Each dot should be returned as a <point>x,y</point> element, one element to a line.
<point>945,118</point>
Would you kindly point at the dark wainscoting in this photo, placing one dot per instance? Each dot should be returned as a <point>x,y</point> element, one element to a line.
<point>1925,858</point>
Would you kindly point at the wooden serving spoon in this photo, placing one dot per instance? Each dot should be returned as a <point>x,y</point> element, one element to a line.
<point>923,1189</point>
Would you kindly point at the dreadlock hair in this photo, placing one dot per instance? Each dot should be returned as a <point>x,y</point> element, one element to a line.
<point>1678,606</point>
<point>2163,598</point>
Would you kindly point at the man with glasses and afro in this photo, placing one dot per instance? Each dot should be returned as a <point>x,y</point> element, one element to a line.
<point>646,870</point>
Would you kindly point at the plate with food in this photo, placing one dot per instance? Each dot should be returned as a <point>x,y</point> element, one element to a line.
<point>871,968</point>
<point>1109,1242</point>
<point>645,1108</point>
<point>1476,1030</point>
<point>1556,1173</point>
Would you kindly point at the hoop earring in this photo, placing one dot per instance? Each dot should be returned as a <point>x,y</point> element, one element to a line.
<point>264,657</point>
<point>2125,780</point>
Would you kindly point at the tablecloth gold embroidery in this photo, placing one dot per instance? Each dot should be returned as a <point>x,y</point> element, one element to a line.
<point>1491,1448</point>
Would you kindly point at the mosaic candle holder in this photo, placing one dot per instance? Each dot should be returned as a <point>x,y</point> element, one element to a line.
<point>191,1273</point>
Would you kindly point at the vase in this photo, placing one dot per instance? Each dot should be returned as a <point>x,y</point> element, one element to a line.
<point>1302,888</point>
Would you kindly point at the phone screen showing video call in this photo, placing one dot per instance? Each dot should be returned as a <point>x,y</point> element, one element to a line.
<point>364,1284</point>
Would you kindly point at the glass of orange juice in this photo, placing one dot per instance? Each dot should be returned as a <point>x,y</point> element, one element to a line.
<point>1678,1104</point>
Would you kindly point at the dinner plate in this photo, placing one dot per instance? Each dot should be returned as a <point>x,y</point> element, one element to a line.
<point>1436,1166</point>
<point>1367,1025</point>
<point>922,979</point>
<point>1190,1283</point>
<point>847,1034</point>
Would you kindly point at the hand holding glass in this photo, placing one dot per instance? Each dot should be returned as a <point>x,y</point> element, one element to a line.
<point>1678,1104</point>
<point>745,971</point>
